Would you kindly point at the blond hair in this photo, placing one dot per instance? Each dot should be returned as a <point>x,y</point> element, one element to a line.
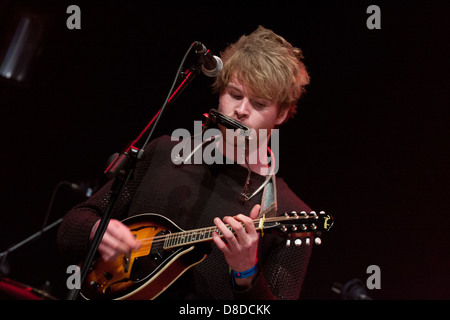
<point>269,65</point>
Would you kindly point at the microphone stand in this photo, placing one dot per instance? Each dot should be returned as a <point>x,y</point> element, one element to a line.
<point>4,269</point>
<point>4,254</point>
<point>122,167</point>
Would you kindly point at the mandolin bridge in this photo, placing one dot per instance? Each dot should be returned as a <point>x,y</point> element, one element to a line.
<point>153,262</point>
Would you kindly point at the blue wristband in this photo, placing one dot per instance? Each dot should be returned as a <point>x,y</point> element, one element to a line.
<point>246,273</point>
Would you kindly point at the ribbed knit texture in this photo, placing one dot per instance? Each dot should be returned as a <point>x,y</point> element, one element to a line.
<point>192,196</point>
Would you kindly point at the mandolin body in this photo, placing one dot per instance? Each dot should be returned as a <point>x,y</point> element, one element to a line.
<point>167,252</point>
<point>145,273</point>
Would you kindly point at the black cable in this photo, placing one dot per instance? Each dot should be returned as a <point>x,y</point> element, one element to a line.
<point>52,200</point>
<point>4,268</point>
<point>180,68</point>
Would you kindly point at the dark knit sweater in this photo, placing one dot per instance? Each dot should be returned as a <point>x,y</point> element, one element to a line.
<point>192,196</point>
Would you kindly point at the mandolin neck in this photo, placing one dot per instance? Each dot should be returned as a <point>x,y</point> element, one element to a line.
<point>183,238</point>
<point>288,224</point>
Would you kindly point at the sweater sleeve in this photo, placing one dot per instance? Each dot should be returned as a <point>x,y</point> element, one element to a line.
<point>282,268</point>
<point>281,275</point>
<point>75,229</point>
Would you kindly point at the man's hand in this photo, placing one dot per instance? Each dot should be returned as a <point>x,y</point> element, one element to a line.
<point>116,241</point>
<point>241,247</point>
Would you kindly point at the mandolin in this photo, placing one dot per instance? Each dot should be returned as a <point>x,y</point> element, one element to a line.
<point>167,252</point>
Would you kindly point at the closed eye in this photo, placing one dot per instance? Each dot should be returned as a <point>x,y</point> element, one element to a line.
<point>236,96</point>
<point>259,104</point>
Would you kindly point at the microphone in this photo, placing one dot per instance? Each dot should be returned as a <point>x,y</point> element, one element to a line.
<point>82,188</point>
<point>211,65</point>
<point>352,290</point>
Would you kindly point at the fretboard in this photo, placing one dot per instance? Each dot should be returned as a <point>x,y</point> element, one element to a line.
<point>183,238</point>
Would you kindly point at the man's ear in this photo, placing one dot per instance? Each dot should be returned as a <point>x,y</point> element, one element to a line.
<point>282,117</point>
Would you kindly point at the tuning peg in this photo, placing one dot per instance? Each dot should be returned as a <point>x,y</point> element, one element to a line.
<point>294,227</point>
<point>314,215</point>
<point>298,242</point>
<point>283,228</point>
<point>294,214</point>
<point>304,214</point>
<point>318,241</point>
<point>322,212</point>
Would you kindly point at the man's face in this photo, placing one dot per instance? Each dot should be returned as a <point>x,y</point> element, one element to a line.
<point>240,103</point>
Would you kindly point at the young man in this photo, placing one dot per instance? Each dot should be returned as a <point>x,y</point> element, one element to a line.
<point>262,79</point>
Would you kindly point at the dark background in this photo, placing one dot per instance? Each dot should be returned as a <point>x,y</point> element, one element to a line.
<point>369,145</point>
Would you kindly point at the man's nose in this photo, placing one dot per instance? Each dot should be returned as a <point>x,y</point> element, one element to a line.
<point>242,109</point>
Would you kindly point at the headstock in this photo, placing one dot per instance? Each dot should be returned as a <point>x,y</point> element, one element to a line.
<point>295,225</point>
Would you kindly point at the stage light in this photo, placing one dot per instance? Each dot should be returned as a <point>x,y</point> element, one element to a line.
<point>21,45</point>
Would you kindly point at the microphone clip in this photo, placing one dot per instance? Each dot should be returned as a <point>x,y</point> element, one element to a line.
<point>211,65</point>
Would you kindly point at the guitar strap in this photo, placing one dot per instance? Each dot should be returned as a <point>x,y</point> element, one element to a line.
<point>269,204</point>
<point>269,199</point>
